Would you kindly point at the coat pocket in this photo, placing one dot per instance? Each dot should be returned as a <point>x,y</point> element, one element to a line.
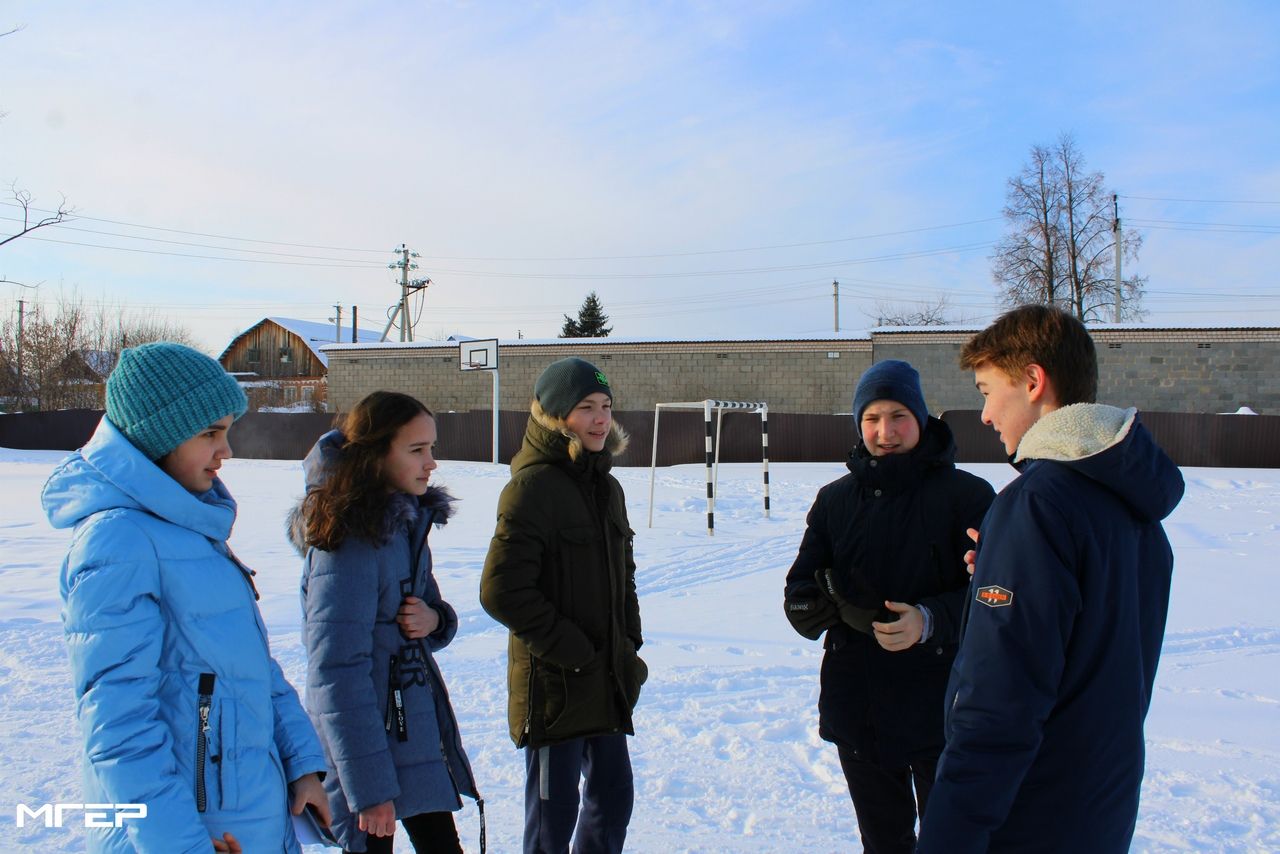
<point>579,546</point>
<point>635,674</point>
<point>225,760</point>
<point>204,726</point>
<point>209,744</point>
<point>217,783</point>
<point>578,562</point>
<point>555,694</point>
<point>572,698</point>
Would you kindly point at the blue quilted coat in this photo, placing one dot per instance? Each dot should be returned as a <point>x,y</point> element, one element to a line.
<point>164,633</point>
<point>358,663</point>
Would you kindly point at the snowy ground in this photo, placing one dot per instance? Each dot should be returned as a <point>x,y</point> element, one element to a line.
<point>727,755</point>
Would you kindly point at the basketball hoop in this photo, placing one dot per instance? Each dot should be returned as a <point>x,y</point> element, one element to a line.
<point>482,355</point>
<point>479,355</point>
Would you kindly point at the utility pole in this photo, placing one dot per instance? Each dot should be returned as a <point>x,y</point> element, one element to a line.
<point>1116,235</point>
<point>337,323</point>
<point>355,338</point>
<point>22,402</point>
<point>835,298</point>
<point>406,327</point>
<point>404,265</point>
<point>22,396</point>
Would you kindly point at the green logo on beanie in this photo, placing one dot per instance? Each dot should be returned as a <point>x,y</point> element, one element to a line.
<point>601,378</point>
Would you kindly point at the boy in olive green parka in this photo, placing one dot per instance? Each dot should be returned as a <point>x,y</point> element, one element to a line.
<point>561,577</point>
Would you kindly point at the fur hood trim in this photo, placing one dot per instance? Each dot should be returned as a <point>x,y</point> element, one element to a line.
<point>1075,432</point>
<point>402,511</point>
<point>615,443</point>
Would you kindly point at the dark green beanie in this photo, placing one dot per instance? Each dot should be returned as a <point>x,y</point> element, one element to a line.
<point>566,382</point>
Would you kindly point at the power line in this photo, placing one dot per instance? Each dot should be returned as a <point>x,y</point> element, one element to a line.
<point>632,257</point>
<point>897,256</point>
<point>345,265</point>
<point>1203,201</point>
<point>63,226</point>
<point>727,251</point>
<point>1220,224</point>
<point>356,264</point>
<point>1206,227</point>
<point>204,234</point>
<point>1216,295</point>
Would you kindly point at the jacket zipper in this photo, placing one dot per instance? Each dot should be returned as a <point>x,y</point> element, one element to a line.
<point>444,753</point>
<point>395,702</point>
<point>205,691</point>
<point>528,712</point>
<point>615,618</point>
<point>244,570</point>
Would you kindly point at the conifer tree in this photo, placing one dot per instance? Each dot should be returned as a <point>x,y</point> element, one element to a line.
<point>590,322</point>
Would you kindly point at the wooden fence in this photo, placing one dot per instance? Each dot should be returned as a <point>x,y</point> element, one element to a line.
<point>1231,441</point>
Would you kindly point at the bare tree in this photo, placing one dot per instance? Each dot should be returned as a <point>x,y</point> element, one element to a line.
<point>23,200</point>
<point>915,314</point>
<point>48,341</point>
<point>2,35</point>
<point>1060,247</point>
<point>1025,263</point>
<point>67,351</point>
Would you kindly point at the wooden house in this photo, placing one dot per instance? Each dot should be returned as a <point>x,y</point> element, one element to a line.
<point>279,363</point>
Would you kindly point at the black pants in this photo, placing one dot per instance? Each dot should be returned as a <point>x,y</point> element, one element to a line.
<point>430,833</point>
<point>884,803</point>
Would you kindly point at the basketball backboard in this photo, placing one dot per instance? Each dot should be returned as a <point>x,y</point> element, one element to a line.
<point>478,355</point>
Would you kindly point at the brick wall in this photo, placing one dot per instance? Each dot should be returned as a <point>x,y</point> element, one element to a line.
<point>791,376</point>
<point>1171,370</point>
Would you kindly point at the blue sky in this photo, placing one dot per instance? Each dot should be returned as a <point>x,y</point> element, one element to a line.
<point>707,168</point>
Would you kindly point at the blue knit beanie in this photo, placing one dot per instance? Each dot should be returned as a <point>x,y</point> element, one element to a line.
<point>162,394</point>
<point>566,382</point>
<point>891,380</point>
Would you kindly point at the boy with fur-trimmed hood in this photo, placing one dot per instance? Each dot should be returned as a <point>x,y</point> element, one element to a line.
<point>1046,702</point>
<point>560,576</point>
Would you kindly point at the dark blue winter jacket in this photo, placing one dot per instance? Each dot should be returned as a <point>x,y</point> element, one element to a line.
<point>893,528</point>
<point>1053,680</point>
<point>350,598</point>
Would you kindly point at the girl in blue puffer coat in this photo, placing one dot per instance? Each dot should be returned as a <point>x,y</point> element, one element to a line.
<point>181,705</point>
<point>374,617</point>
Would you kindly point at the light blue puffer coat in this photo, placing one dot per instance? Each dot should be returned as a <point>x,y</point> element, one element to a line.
<point>350,597</point>
<point>154,599</point>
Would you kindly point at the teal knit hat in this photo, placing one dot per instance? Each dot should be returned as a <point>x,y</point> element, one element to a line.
<point>162,394</point>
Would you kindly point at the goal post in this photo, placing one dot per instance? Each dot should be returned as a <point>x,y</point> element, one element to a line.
<point>712,447</point>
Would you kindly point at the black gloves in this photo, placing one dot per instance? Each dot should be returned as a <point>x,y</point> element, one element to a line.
<point>851,615</point>
<point>810,612</point>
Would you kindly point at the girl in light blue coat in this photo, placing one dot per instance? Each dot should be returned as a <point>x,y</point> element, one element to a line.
<point>181,706</point>
<point>374,618</point>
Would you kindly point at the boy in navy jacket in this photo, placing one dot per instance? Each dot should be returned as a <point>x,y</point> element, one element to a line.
<point>1046,702</point>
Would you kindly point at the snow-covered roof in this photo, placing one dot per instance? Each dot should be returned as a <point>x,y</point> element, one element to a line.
<point>543,342</point>
<point>852,335</point>
<point>1093,325</point>
<point>313,334</point>
<point>99,361</point>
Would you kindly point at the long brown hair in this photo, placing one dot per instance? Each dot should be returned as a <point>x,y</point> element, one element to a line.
<point>353,499</point>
